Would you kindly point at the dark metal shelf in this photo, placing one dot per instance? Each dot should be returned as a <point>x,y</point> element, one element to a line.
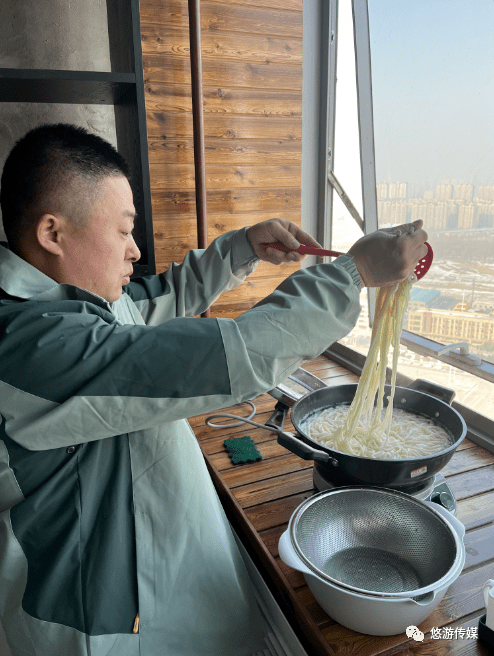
<point>123,90</point>
<point>74,87</point>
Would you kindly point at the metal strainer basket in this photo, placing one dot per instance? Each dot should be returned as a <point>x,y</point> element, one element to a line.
<point>375,541</point>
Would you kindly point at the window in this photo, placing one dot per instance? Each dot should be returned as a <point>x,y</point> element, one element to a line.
<point>423,94</point>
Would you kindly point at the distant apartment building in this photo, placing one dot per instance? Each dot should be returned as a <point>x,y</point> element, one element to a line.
<point>441,213</point>
<point>392,211</point>
<point>435,215</point>
<point>443,192</point>
<point>430,210</point>
<point>466,216</point>
<point>418,209</point>
<point>485,214</point>
<point>448,207</point>
<point>382,191</point>
<point>451,326</point>
<point>463,192</point>
<point>485,193</point>
<point>397,190</point>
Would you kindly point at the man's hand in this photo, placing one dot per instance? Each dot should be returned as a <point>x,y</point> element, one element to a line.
<point>388,256</point>
<point>286,232</point>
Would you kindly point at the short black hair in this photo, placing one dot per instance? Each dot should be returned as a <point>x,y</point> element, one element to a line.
<point>42,161</point>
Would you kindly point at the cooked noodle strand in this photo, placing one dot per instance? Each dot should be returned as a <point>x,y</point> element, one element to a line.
<point>365,428</point>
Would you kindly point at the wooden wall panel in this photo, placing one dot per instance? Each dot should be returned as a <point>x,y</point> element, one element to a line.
<point>228,200</point>
<point>225,17</point>
<point>230,72</point>
<point>174,235</point>
<point>166,125</point>
<point>295,5</point>
<point>224,100</point>
<point>170,40</point>
<point>222,151</point>
<point>181,176</point>
<point>252,82</point>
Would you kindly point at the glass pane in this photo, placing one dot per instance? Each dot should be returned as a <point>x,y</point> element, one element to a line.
<point>433,93</point>
<point>347,166</point>
<point>345,230</point>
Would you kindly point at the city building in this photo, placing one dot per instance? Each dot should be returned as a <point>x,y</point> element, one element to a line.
<point>444,192</point>
<point>449,207</point>
<point>382,191</point>
<point>421,298</point>
<point>463,192</point>
<point>485,193</point>
<point>398,190</point>
<point>441,212</point>
<point>449,326</point>
<point>466,215</point>
<point>485,213</point>
<point>418,209</point>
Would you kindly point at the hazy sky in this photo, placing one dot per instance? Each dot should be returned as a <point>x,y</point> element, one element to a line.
<point>433,90</point>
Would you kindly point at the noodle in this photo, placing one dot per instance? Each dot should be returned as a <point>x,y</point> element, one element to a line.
<point>410,436</point>
<point>367,429</point>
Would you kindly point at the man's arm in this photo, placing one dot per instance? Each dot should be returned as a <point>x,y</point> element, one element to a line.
<point>71,373</point>
<point>189,288</point>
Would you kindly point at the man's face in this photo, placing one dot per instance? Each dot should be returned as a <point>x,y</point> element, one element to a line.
<point>99,256</point>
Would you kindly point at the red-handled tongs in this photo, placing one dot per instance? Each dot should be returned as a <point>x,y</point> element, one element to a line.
<point>420,270</point>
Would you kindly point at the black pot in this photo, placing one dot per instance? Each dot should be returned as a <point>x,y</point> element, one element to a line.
<point>405,474</point>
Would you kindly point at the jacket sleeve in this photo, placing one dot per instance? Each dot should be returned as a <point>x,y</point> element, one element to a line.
<point>70,374</point>
<point>189,288</point>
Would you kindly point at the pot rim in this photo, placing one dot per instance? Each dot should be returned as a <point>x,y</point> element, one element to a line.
<point>446,580</point>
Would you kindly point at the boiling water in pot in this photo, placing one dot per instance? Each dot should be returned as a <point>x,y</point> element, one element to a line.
<point>409,436</point>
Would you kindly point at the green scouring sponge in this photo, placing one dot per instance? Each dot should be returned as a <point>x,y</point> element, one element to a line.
<point>242,449</point>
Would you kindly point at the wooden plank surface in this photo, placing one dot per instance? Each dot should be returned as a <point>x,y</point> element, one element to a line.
<point>263,75</point>
<point>228,200</point>
<point>175,235</point>
<point>226,176</point>
<point>228,17</point>
<point>262,496</point>
<point>252,106</point>
<point>162,125</point>
<point>225,100</point>
<point>184,224</point>
<point>174,40</point>
<point>292,5</point>
<point>226,151</point>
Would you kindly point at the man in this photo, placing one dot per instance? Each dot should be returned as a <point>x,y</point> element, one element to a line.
<point>112,539</point>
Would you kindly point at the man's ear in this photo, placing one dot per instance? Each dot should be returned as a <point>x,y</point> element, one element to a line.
<point>48,231</point>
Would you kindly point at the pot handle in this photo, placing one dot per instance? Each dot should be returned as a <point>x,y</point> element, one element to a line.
<point>288,555</point>
<point>457,525</point>
<point>423,600</point>
<point>428,387</point>
<point>303,450</point>
<point>277,419</point>
<point>287,440</point>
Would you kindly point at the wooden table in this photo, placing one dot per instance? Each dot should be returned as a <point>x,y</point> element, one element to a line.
<point>260,497</point>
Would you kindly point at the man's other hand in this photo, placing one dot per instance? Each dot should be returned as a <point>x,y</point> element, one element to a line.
<point>387,256</point>
<point>286,232</point>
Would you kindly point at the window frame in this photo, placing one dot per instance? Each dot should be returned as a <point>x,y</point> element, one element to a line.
<point>480,427</point>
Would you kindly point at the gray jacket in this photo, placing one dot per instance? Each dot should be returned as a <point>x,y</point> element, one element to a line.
<point>106,507</point>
